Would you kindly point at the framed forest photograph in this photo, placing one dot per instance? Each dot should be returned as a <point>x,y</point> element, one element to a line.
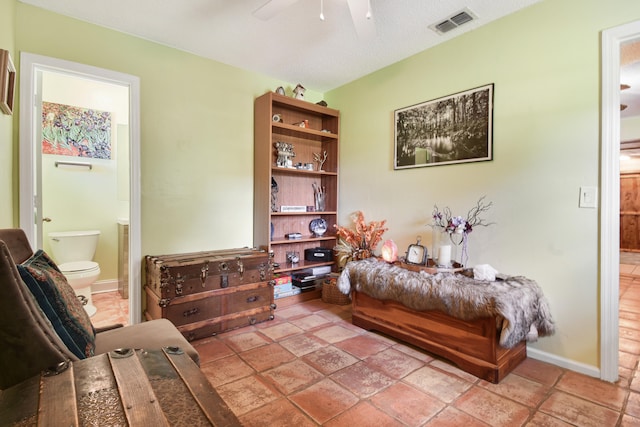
<point>453,129</point>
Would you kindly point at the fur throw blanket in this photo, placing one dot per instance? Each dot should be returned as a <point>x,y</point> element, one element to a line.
<point>517,301</point>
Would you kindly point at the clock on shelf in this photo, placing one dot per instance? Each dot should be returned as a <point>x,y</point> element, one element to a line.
<point>416,253</point>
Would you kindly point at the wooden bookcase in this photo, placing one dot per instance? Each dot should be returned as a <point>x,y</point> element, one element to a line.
<point>295,186</point>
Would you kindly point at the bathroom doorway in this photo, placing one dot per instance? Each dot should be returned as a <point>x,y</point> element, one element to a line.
<point>62,189</point>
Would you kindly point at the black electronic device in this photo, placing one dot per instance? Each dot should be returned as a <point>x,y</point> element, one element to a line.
<point>318,254</point>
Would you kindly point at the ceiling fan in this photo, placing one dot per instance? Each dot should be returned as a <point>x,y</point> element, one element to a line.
<point>623,87</point>
<point>360,14</point>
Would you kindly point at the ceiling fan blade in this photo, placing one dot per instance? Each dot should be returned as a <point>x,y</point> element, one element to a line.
<point>272,8</point>
<point>362,21</point>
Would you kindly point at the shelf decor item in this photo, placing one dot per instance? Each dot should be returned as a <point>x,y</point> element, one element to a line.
<point>285,154</point>
<point>320,159</point>
<point>293,257</point>
<point>450,231</point>
<point>274,195</point>
<point>318,227</point>
<point>298,92</point>
<point>359,243</point>
<point>319,197</point>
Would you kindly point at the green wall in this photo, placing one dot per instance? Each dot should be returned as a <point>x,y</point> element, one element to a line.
<point>546,134</point>
<point>196,130</point>
<point>7,158</point>
<point>197,138</point>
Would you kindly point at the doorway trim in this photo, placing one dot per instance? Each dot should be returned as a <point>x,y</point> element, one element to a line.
<point>610,196</point>
<point>29,65</point>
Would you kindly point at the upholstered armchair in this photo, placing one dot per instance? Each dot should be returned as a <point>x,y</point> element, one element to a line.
<point>31,342</point>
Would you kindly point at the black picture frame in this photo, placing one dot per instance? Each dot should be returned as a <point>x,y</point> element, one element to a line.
<point>453,129</point>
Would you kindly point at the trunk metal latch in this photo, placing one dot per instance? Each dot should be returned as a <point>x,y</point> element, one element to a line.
<point>204,272</point>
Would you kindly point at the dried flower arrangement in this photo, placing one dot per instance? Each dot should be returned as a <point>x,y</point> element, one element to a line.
<point>359,243</point>
<point>460,227</point>
<point>457,224</point>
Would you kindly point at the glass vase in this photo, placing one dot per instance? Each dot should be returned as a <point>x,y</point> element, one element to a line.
<point>319,202</point>
<point>444,247</point>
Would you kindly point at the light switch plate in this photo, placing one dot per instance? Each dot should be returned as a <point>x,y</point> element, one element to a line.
<point>588,197</point>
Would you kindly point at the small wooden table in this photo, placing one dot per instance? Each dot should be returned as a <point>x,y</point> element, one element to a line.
<point>125,387</point>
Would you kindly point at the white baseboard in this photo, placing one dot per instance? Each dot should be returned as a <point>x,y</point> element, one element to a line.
<point>104,286</point>
<point>562,362</point>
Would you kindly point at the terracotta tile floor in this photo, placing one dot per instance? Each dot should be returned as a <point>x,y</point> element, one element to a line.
<point>311,367</point>
<point>111,309</point>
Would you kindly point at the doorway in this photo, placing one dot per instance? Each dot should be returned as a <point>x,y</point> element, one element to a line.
<point>39,75</point>
<point>610,196</point>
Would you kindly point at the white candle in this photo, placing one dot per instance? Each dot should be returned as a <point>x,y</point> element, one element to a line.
<point>444,255</point>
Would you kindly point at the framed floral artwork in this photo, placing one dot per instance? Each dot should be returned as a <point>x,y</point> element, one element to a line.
<point>453,129</point>
<point>7,82</point>
<point>74,131</point>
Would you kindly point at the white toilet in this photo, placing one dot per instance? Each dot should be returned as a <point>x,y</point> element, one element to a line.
<point>73,252</point>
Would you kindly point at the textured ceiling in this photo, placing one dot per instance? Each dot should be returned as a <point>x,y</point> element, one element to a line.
<point>294,45</point>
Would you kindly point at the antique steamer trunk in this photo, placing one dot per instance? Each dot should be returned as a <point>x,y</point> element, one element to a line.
<point>204,293</point>
<point>162,387</point>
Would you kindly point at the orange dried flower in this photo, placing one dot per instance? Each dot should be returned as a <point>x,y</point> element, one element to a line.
<point>361,242</point>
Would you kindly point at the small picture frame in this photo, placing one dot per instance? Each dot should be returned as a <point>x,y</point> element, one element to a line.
<point>7,82</point>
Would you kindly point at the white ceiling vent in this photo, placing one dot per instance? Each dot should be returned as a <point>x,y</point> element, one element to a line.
<point>454,21</point>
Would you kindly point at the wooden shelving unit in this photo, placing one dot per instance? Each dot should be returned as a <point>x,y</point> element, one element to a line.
<point>295,186</point>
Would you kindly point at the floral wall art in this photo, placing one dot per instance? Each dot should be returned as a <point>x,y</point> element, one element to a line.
<point>452,129</point>
<point>75,131</point>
